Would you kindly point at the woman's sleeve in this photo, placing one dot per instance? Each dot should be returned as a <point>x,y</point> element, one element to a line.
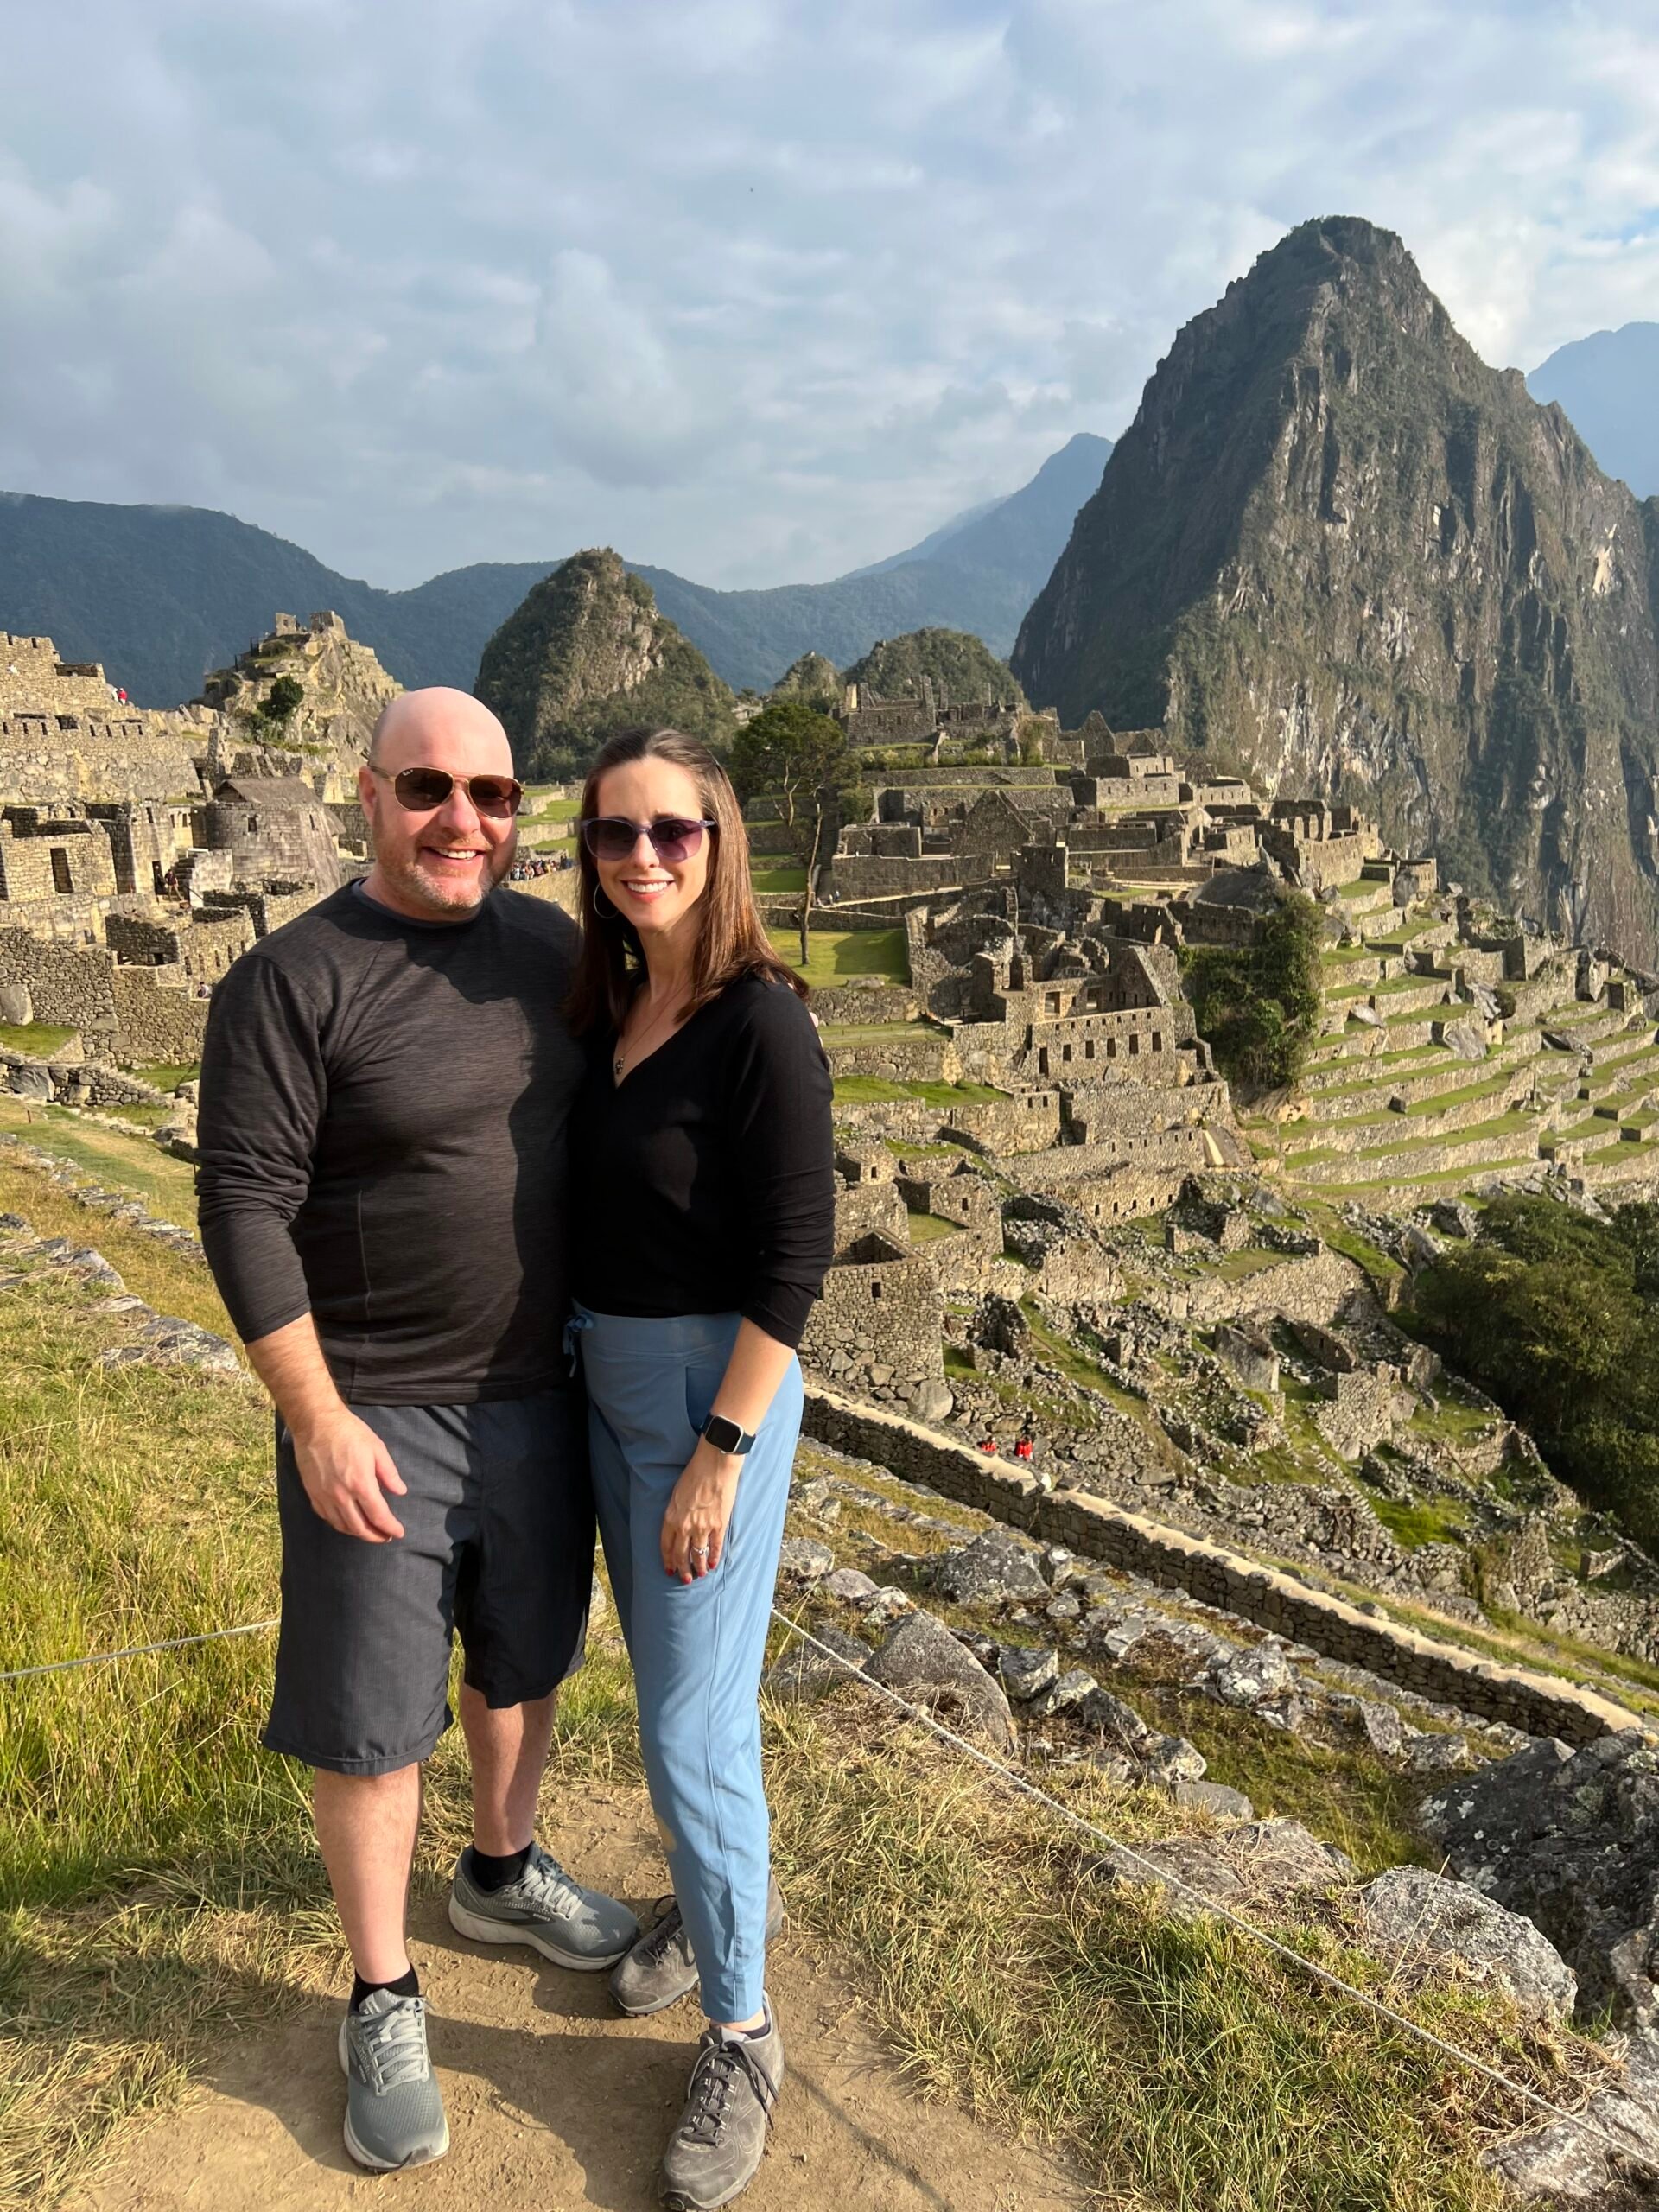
<point>780,1137</point>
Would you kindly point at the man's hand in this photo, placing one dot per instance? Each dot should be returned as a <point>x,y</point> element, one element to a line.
<point>693,1527</point>
<point>346,1468</point>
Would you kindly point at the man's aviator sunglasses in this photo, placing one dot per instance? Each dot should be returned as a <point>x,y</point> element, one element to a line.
<point>422,789</point>
<point>612,837</point>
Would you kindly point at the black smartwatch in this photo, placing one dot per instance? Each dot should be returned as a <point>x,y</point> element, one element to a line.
<point>726,1436</point>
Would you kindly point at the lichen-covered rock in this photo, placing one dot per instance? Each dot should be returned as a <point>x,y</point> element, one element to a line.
<point>995,1570</point>
<point>1263,1861</point>
<point>923,1663</point>
<point>1569,2165</point>
<point>801,1674</point>
<point>1415,1915</point>
<point>1570,1839</point>
<point>1025,1672</point>
<point>1246,1678</point>
<point>850,1583</point>
<point>802,1562</point>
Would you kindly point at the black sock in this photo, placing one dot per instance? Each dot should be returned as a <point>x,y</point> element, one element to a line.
<point>492,1874</point>
<point>407,1984</point>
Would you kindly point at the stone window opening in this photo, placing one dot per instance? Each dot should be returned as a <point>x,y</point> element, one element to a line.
<point>61,877</point>
<point>875,1287</point>
<point>1135,1043</point>
<point>1111,1048</point>
<point>1157,1041</point>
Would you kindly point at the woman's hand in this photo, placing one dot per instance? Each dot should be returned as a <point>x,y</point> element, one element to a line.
<point>693,1527</point>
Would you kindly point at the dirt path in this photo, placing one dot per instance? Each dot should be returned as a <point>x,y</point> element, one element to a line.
<point>555,2101</point>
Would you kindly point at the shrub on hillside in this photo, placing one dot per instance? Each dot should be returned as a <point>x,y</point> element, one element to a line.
<point>1257,1006</point>
<point>1557,1316</point>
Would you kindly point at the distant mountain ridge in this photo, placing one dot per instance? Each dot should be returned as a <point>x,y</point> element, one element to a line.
<point>1609,384</point>
<point>163,595</point>
<point>1337,550</point>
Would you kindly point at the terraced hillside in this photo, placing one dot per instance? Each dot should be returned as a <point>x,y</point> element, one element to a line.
<point>1415,1089</point>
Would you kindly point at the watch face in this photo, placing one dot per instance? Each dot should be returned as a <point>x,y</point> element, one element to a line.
<point>725,1435</point>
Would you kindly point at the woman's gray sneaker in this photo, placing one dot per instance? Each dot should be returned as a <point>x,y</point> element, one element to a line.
<point>547,1909</point>
<point>394,2112</point>
<point>722,2136</point>
<point>659,1970</point>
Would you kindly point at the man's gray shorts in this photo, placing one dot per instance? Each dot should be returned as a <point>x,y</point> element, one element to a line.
<point>498,1543</point>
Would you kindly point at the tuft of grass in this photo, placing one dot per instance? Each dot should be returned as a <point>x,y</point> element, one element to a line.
<point>168,1075</point>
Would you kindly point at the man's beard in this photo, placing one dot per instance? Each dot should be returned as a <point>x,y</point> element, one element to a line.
<point>444,901</point>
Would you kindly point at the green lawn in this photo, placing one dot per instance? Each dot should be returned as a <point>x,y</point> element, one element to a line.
<point>928,1228</point>
<point>876,1090</point>
<point>40,1039</point>
<point>838,956</point>
<point>779,879</point>
<point>168,1075</point>
<point>547,810</point>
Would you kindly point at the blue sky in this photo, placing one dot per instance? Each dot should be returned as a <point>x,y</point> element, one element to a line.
<point>753,289</point>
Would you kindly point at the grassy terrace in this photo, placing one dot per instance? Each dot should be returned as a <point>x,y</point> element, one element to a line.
<point>1477,1133</point>
<point>39,1039</point>
<point>779,879</point>
<point>166,1186</point>
<point>843,955</point>
<point>876,1090</point>
<point>168,1075</point>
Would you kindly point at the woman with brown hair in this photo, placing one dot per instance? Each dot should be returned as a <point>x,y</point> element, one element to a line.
<point>704,1219</point>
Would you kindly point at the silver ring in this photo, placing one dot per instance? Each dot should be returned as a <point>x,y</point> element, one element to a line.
<point>699,1551</point>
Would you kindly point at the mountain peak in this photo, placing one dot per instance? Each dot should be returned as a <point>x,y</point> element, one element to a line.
<point>588,653</point>
<point>1338,550</point>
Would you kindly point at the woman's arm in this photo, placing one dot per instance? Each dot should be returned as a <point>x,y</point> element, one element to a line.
<point>701,1506</point>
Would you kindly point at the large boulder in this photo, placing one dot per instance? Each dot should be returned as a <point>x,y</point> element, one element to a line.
<point>1570,1839</point>
<point>803,1672</point>
<point>923,1663</point>
<point>1246,1677</point>
<point>995,1570</point>
<point>1415,1915</point>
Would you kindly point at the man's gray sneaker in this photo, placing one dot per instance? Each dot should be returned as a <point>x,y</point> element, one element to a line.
<point>659,1970</point>
<point>547,1909</point>
<point>718,2145</point>
<point>394,2112</point>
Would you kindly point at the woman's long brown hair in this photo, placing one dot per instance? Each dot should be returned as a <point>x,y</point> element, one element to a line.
<point>732,940</point>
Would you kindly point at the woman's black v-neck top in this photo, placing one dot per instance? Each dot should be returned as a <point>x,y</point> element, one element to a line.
<point>704,1183</point>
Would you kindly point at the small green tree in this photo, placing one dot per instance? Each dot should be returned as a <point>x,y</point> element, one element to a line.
<point>1257,1006</point>
<point>792,752</point>
<point>283,701</point>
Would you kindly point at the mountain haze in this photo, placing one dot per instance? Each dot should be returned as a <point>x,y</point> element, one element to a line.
<point>1609,383</point>
<point>163,595</point>
<point>1337,550</point>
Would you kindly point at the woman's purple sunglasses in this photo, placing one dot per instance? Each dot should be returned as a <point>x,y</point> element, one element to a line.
<point>612,837</point>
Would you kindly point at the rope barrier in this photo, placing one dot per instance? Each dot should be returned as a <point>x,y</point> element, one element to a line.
<point>134,1651</point>
<point>1025,1788</point>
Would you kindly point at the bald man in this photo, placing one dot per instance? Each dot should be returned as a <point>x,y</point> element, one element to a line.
<point>384,1090</point>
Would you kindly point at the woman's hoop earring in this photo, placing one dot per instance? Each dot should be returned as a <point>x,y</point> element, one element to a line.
<point>606,912</point>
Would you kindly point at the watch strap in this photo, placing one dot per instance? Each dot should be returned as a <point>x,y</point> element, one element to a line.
<point>726,1436</point>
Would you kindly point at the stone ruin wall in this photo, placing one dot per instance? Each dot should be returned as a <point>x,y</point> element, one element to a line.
<point>1094,1529</point>
<point>157,1020</point>
<point>876,1328</point>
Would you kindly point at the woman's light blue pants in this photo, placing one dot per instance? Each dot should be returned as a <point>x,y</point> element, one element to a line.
<point>697,1648</point>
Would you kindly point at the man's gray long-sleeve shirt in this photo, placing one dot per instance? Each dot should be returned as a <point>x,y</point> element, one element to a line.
<point>382,1135</point>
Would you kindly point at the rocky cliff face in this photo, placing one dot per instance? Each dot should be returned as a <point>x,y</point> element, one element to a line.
<point>588,653</point>
<point>304,699</point>
<point>1337,550</point>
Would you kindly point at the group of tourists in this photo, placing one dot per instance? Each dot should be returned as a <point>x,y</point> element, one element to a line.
<point>521,1221</point>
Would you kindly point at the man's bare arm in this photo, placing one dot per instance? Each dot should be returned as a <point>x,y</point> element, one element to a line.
<point>343,1463</point>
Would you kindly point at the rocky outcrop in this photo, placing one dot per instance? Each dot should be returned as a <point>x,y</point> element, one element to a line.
<point>959,667</point>
<point>586,654</point>
<point>1337,550</point>
<point>1572,1841</point>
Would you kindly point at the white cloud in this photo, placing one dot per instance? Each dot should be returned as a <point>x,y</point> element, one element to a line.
<point>753,288</point>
